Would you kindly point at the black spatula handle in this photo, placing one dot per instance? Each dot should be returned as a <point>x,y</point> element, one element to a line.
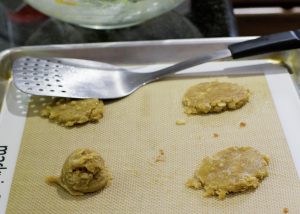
<point>266,44</point>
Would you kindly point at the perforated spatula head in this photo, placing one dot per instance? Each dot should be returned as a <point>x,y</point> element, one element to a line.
<point>72,78</point>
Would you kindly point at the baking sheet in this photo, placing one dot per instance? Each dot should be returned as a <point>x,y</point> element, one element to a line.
<point>136,128</point>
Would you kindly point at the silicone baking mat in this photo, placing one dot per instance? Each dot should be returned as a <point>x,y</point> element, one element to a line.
<point>130,137</point>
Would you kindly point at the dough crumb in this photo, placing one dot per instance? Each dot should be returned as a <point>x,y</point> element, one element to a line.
<point>285,210</point>
<point>180,122</point>
<point>214,97</point>
<point>215,135</point>
<point>83,172</point>
<point>161,157</point>
<point>235,169</point>
<point>242,124</point>
<point>69,112</point>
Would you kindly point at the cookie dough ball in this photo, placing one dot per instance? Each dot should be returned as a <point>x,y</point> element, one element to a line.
<point>83,172</point>
<point>235,169</point>
<point>214,97</point>
<point>69,112</point>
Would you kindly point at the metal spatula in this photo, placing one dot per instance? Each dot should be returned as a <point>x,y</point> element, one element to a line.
<point>89,79</point>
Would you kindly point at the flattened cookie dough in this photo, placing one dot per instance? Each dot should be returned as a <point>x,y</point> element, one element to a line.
<point>69,112</point>
<point>235,169</point>
<point>214,97</point>
<point>83,172</point>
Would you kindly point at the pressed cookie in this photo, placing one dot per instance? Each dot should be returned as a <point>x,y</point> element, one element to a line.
<point>235,169</point>
<point>214,97</point>
<point>69,112</point>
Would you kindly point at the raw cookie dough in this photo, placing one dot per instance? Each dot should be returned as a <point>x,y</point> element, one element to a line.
<point>235,169</point>
<point>69,112</point>
<point>83,172</point>
<point>214,97</point>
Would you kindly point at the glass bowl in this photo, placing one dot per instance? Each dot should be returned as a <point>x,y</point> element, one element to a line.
<point>104,14</point>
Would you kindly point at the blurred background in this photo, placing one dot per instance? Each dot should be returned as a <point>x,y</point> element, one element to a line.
<point>22,24</point>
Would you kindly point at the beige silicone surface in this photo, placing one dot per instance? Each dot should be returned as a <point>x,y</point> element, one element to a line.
<point>130,137</point>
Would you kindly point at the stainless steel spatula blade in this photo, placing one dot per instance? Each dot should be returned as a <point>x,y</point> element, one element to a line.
<point>89,79</point>
<point>72,78</point>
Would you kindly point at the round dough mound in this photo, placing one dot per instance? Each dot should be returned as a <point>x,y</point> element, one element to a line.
<point>214,97</point>
<point>84,171</point>
<point>234,169</point>
<point>69,112</point>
